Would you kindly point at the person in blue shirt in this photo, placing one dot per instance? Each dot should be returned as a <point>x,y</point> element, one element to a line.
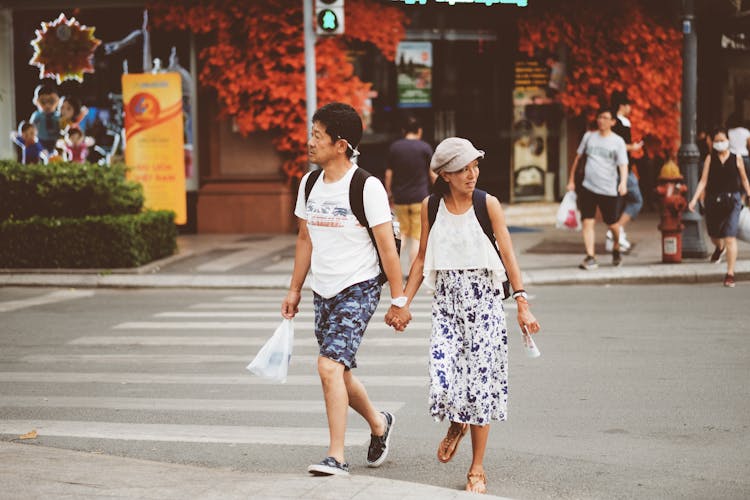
<point>31,150</point>
<point>46,118</point>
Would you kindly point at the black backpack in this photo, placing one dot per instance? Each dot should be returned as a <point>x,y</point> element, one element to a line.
<point>357,203</point>
<point>479,200</point>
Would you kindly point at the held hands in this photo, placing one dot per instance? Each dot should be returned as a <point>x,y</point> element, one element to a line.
<point>398,317</point>
<point>290,305</point>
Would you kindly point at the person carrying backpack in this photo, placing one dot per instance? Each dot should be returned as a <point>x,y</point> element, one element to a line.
<point>467,265</point>
<point>343,254</point>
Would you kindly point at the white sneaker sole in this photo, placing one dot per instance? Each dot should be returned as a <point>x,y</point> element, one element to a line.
<point>379,461</point>
<point>324,470</point>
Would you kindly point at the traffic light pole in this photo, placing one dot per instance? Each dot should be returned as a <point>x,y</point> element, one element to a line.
<point>311,97</point>
<point>693,243</point>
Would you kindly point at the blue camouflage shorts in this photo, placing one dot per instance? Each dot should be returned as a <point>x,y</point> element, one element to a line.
<point>340,321</point>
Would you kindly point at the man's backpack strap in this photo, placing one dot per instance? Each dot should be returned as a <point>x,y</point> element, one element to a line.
<point>311,180</point>
<point>357,198</point>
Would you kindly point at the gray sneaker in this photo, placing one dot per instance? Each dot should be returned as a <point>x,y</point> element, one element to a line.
<point>378,450</point>
<point>329,466</point>
<point>588,263</point>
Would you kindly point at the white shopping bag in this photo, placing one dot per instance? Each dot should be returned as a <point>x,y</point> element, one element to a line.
<point>744,230</point>
<point>529,346</point>
<point>272,361</point>
<point>568,216</point>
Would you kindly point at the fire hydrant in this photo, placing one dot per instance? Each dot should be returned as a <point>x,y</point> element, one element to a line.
<point>671,189</point>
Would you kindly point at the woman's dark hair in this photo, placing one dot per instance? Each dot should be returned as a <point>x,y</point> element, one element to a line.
<point>341,122</point>
<point>719,130</point>
<point>440,188</point>
<point>75,103</point>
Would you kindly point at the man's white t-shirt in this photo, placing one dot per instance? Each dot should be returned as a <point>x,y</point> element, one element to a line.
<point>604,153</point>
<point>738,140</point>
<point>342,252</point>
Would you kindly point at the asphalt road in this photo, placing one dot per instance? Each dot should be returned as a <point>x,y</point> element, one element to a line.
<point>641,391</point>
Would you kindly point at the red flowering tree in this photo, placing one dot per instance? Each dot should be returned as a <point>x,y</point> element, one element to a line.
<point>253,58</point>
<point>614,46</point>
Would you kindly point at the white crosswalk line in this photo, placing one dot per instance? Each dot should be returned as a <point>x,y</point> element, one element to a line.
<point>295,436</point>
<point>49,298</point>
<point>400,340</point>
<point>241,325</point>
<point>192,379</point>
<point>168,404</point>
<point>196,359</point>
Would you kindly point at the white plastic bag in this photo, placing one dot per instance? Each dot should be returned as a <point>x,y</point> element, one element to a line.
<point>272,361</point>
<point>568,216</point>
<point>744,230</point>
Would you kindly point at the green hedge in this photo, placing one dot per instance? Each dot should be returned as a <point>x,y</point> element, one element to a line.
<point>66,190</point>
<point>100,242</point>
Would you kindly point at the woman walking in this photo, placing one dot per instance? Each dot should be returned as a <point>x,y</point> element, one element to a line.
<point>722,179</point>
<point>469,344</point>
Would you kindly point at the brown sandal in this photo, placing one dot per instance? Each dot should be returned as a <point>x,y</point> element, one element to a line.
<point>476,482</point>
<point>449,444</point>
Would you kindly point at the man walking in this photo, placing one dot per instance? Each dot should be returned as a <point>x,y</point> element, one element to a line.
<point>407,182</point>
<point>345,277</point>
<point>606,155</point>
<point>633,198</point>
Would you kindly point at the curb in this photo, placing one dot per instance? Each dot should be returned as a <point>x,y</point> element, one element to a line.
<point>643,274</point>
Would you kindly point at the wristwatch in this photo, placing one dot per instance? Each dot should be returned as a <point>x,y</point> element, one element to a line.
<point>399,301</point>
<point>520,293</point>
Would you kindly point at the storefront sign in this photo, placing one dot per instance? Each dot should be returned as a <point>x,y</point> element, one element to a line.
<point>531,105</point>
<point>154,139</point>
<point>414,69</point>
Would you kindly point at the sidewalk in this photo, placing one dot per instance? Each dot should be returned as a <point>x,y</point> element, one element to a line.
<point>36,472</point>
<point>548,256</point>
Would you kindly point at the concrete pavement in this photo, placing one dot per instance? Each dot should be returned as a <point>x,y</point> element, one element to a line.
<point>547,256</point>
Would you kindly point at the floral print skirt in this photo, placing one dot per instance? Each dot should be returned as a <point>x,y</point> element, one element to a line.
<point>468,348</point>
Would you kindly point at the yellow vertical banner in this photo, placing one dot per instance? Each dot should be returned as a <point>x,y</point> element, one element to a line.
<point>154,148</point>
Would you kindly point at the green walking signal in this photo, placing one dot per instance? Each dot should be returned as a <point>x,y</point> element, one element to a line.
<point>329,17</point>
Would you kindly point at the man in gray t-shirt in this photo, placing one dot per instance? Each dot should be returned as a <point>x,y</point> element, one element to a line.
<point>605,179</point>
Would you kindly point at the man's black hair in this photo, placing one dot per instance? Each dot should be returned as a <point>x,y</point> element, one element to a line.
<point>341,122</point>
<point>411,125</point>
<point>605,109</point>
<point>619,98</point>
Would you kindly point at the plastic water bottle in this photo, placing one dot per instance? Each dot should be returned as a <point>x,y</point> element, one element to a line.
<point>529,346</point>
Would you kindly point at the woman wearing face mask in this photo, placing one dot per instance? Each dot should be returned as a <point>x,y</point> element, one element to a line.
<point>723,178</point>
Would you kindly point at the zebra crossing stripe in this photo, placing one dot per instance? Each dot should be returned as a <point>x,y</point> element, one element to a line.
<point>242,325</point>
<point>50,298</point>
<point>396,340</point>
<point>193,379</point>
<point>168,404</point>
<point>195,359</point>
<point>293,436</point>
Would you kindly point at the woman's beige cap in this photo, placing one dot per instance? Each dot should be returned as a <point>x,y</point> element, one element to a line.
<point>453,154</point>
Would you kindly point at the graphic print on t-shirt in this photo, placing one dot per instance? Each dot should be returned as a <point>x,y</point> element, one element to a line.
<point>329,214</point>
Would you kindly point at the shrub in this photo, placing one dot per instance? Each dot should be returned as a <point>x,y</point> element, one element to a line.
<point>66,190</point>
<point>106,241</point>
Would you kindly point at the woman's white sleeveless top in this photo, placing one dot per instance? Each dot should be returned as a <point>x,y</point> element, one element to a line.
<point>458,242</point>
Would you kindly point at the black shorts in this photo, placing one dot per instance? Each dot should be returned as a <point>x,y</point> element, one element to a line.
<point>588,201</point>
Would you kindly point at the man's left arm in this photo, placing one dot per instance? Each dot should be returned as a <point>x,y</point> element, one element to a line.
<point>386,247</point>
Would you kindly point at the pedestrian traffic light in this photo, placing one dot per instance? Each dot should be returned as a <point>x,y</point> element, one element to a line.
<point>329,17</point>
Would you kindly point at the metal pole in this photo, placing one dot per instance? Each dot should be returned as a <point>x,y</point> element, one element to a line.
<point>693,242</point>
<point>311,96</point>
